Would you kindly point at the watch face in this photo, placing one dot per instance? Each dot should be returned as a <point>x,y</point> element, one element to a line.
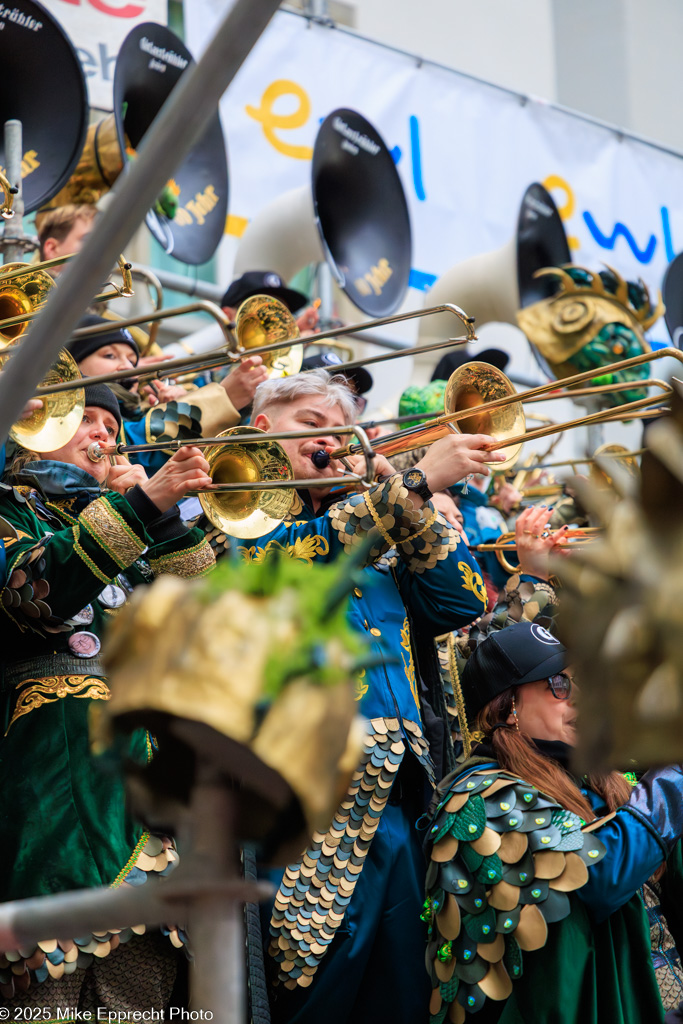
<point>413,478</point>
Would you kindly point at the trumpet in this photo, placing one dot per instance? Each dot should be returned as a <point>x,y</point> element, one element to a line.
<point>506,543</point>
<point>253,486</point>
<point>467,398</point>
<point>24,288</point>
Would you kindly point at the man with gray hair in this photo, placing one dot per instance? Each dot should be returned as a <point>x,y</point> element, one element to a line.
<point>360,886</point>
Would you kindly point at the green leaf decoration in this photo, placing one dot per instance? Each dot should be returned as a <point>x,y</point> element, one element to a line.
<point>470,820</point>
<point>512,958</point>
<point>449,989</point>
<point>490,871</point>
<point>442,827</point>
<point>471,859</point>
<point>481,927</point>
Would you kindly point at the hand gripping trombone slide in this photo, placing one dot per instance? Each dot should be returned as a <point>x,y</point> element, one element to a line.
<point>471,384</point>
<point>253,485</point>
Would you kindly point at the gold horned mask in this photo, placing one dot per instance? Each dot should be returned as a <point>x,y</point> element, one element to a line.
<point>566,322</point>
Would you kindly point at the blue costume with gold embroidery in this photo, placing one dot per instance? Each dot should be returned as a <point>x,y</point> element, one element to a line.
<point>418,571</point>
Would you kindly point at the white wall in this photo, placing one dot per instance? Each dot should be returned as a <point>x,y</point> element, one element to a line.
<point>487,38</point>
<point>618,60</point>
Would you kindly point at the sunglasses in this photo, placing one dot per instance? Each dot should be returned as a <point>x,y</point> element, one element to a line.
<point>561,686</point>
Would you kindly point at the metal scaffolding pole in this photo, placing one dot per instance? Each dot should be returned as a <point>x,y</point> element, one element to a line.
<point>177,128</point>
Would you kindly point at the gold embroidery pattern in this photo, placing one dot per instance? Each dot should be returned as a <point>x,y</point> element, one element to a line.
<point>54,688</point>
<point>60,507</point>
<point>112,532</point>
<point>193,562</point>
<point>21,535</point>
<point>408,666</point>
<point>86,558</point>
<point>472,581</point>
<point>303,548</point>
<point>361,686</point>
<point>131,861</point>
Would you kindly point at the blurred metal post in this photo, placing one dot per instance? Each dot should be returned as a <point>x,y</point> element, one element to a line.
<point>13,153</point>
<point>173,133</point>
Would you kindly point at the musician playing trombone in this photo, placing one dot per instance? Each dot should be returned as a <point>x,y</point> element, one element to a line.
<point>163,412</point>
<point>74,553</point>
<point>362,881</point>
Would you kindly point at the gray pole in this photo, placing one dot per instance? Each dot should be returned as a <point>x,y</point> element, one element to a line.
<point>177,127</point>
<point>13,154</point>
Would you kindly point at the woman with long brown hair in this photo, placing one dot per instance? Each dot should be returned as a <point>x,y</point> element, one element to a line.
<point>526,858</point>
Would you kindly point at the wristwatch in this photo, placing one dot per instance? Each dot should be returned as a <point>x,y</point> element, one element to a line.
<point>415,480</point>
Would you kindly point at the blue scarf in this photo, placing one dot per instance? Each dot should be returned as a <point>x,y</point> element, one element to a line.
<point>60,479</point>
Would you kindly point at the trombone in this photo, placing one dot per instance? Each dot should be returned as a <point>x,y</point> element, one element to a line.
<point>466,396</point>
<point>623,454</point>
<point>56,422</point>
<point>154,286</point>
<point>596,391</point>
<point>24,288</point>
<point>253,486</point>
<point>506,543</point>
<point>260,322</point>
<point>262,318</point>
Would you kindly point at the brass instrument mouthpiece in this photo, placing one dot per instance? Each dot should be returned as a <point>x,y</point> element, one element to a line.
<point>95,453</point>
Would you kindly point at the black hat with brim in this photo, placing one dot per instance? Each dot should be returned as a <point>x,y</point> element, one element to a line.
<point>361,378</point>
<point>517,654</point>
<point>260,282</point>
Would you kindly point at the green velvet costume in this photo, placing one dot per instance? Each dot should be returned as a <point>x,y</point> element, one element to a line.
<point>62,811</point>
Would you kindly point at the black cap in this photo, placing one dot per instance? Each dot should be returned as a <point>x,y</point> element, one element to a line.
<point>104,398</point>
<point>362,380</point>
<point>263,282</point>
<point>452,360</point>
<point>81,348</point>
<point>519,653</point>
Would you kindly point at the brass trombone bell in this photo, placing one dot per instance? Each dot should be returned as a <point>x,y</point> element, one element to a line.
<point>262,320</point>
<point>55,423</point>
<point>253,512</point>
<point>620,454</point>
<point>243,462</point>
<point>432,430</point>
<point>472,386</point>
<point>21,294</point>
<point>24,288</point>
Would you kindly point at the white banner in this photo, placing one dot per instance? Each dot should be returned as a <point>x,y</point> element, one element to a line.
<point>466,151</point>
<point>97,28</point>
